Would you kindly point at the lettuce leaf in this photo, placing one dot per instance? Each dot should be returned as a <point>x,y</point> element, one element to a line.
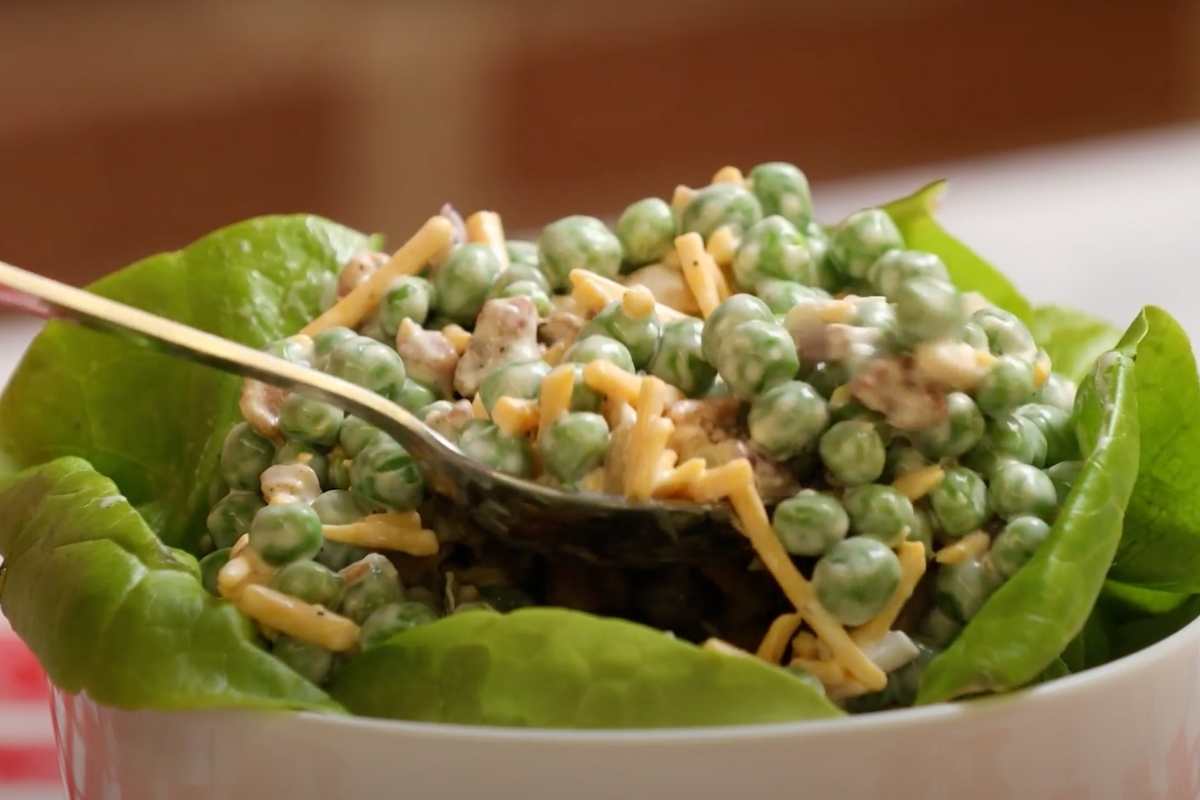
<point>108,609</point>
<point>150,422</point>
<point>549,667</point>
<point>1161,545</point>
<point>1073,339</point>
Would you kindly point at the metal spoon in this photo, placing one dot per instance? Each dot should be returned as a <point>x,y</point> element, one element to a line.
<point>600,528</point>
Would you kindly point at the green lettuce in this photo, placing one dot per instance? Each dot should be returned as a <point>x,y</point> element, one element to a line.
<point>548,667</point>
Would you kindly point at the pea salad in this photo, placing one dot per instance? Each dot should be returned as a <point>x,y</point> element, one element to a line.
<point>940,490</point>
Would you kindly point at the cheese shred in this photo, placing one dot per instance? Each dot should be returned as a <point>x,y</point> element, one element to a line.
<point>434,236</point>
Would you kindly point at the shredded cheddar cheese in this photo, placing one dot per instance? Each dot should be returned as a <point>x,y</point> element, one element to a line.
<point>555,397</point>
<point>637,302</point>
<point>458,336</point>
<point>485,227</point>
<point>912,567</point>
<point>478,409</point>
<point>722,245</point>
<point>698,270</point>
<point>399,531</point>
<point>729,174</point>
<point>1041,371</point>
<point>681,197</point>
<point>609,379</point>
<point>648,440</point>
<point>434,236</point>
<point>679,481</point>
<point>970,546</point>
<point>298,619</point>
<point>920,482</point>
<point>515,416</point>
<point>593,292</point>
<point>554,354</point>
<point>775,642</point>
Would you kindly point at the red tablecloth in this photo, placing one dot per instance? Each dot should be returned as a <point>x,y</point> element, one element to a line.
<point>28,759</point>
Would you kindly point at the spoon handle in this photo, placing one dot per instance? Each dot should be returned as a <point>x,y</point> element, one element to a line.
<point>177,339</point>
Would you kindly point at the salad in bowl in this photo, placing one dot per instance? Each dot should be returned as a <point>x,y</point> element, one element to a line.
<point>934,488</point>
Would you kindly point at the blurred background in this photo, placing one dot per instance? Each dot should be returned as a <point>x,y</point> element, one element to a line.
<point>131,127</point>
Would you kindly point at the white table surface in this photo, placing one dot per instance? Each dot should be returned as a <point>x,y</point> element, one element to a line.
<point>1107,225</point>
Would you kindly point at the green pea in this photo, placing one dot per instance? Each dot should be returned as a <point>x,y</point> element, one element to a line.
<point>880,512</point>
<point>772,250</point>
<point>735,310</point>
<point>484,442</point>
<point>782,296</point>
<point>521,252</point>
<point>409,297</point>
<point>231,517</point>
<point>928,309</point>
<point>337,507</point>
<point>415,396</point>
<point>368,363</point>
<point>372,329</point>
<point>938,629</point>
<point>296,349</point>
<point>541,300</point>
<point>374,589</point>
<point>1007,384</point>
<point>244,457</point>
<point>1063,475</point>
<point>309,660</point>
<point>680,358</point>
<point>876,313</point>
<point>521,272</point>
<point>598,347</point>
<point>386,621</point>
<point>574,445</point>
<point>961,589</point>
<point>1057,391</point>
<point>902,459</point>
<point>210,565</point>
<point>782,189</point>
<point>294,452</point>
<point>961,430</point>
<point>640,336</point>
<point>1057,427</point>
<point>308,420</point>
<point>522,380</point>
<point>578,242</point>
<point>856,578</point>
<point>861,239</point>
<point>646,230</point>
<point>755,356</point>
<point>1018,489</point>
<point>820,246</point>
<point>853,452</point>
<point>809,523</point>
<point>356,435</point>
<point>1017,437</point>
<point>717,206</point>
<point>891,271</point>
<point>385,475</point>
<point>960,502</point>
<point>463,282</point>
<point>828,376</point>
<point>787,419</point>
<point>311,582</point>
<point>1017,543</point>
<point>286,532</point>
<point>973,335</point>
<point>326,340</point>
<point>1006,335</point>
<point>922,530</point>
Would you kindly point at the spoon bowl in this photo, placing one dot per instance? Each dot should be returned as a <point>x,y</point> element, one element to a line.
<point>597,527</point>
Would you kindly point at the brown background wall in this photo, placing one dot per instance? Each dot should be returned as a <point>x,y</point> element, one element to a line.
<point>133,127</point>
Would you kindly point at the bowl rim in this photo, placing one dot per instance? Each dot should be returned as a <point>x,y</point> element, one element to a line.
<point>946,713</point>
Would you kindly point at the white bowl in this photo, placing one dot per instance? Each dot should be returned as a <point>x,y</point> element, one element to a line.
<point>1130,729</point>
